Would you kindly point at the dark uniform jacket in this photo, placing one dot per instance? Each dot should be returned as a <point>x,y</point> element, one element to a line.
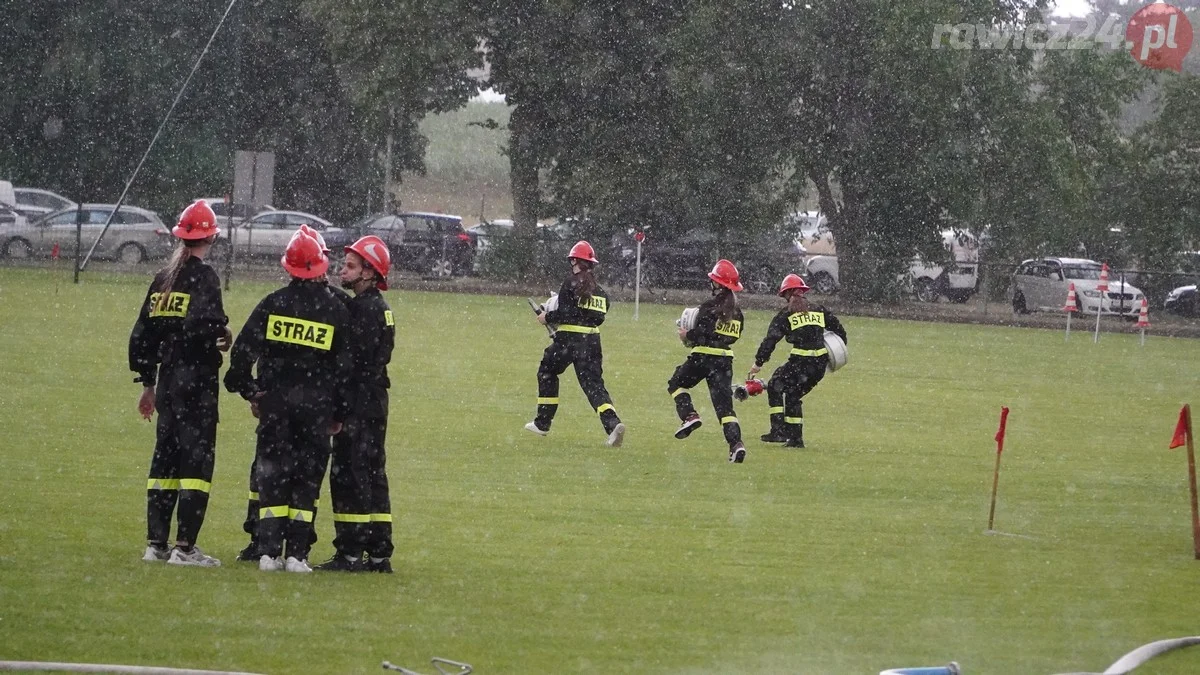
<point>298,336</point>
<point>372,337</point>
<point>712,332</point>
<point>576,311</point>
<point>184,332</point>
<point>802,330</point>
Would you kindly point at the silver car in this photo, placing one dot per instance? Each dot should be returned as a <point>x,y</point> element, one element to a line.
<point>267,233</point>
<point>1042,285</point>
<point>35,202</point>
<point>134,235</point>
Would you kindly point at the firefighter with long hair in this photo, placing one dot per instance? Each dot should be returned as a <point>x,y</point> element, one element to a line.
<point>581,308</point>
<point>802,325</point>
<point>718,325</point>
<point>296,339</point>
<point>358,482</point>
<point>175,348</point>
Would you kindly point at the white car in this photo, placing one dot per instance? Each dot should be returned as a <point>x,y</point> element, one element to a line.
<point>35,203</point>
<point>1042,284</point>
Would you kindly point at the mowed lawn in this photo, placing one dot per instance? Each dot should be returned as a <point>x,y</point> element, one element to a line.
<point>521,554</point>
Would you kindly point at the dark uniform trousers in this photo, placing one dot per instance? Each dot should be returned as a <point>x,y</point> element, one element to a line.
<point>717,371</point>
<point>358,485</point>
<point>786,390</point>
<point>293,449</point>
<point>182,466</point>
<point>583,351</point>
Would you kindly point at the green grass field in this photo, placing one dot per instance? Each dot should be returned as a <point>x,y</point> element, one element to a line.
<point>521,554</point>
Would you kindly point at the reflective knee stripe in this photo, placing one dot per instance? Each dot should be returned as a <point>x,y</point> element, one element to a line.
<point>253,496</point>
<point>547,400</point>
<point>810,352</point>
<point>195,484</point>
<point>381,517</point>
<point>729,420</point>
<point>677,392</point>
<point>712,351</point>
<point>351,518</point>
<point>273,512</point>
<point>300,515</point>
<point>603,407</point>
<point>162,484</point>
<point>794,420</point>
<point>776,410</point>
<point>588,330</point>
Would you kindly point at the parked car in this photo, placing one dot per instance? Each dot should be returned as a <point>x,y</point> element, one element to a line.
<point>684,260</point>
<point>266,234</point>
<point>1041,285</point>
<point>35,202</point>
<point>1184,301</point>
<point>10,217</point>
<point>433,244</point>
<point>240,212</point>
<point>486,232</point>
<point>133,236</point>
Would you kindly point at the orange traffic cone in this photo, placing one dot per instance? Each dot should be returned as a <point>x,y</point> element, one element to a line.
<point>1072,305</point>
<point>1143,316</point>
<point>1103,285</point>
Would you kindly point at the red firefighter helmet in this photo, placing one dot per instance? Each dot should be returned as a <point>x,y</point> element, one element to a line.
<point>725,274</point>
<point>315,234</point>
<point>793,282</point>
<point>583,251</point>
<point>374,253</point>
<point>196,222</point>
<point>304,258</point>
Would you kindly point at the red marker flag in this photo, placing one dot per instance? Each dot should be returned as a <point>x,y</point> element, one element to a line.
<point>1181,430</point>
<point>54,251</point>
<point>1000,433</point>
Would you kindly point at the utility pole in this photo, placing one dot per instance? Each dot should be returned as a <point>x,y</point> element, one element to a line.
<point>387,165</point>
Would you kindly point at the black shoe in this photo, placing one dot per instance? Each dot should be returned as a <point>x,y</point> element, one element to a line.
<point>383,565</point>
<point>689,425</point>
<point>737,454</point>
<point>794,443</point>
<point>248,554</point>
<point>340,563</point>
<point>773,437</point>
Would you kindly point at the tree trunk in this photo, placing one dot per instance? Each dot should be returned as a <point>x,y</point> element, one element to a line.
<point>523,172</point>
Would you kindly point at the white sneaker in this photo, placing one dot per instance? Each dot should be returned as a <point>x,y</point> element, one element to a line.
<point>196,558</point>
<point>532,426</point>
<point>269,564</point>
<point>616,437</point>
<point>156,554</point>
<point>293,565</point>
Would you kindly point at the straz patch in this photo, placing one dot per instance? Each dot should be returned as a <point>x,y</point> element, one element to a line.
<point>800,319</point>
<point>300,332</point>
<point>176,305</point>
<point>731,328</point>
<point>594,303</point>
<point>388,318</point>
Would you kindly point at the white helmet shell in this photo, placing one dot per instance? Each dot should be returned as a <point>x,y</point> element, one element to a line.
<point>838,354</point>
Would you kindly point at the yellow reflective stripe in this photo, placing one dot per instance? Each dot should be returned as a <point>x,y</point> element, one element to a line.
<point>810,352</point>
<point>195,484</point>
<point>603,407</point>
<point>351,518</point>
<point>381,517</point>
<point>295,331</point>
<point>176,304</point>
<point>273,512</point>
<point>547,400</point>
<point>567,328</point>
<point>388,318</point>
<point>712,351</point>
<point>300,515</point>
<point>794,420</point>
<point>775,410</point>
<point>729,420</point>
<point>162,484</point>
<point>677,392</point>
<point>253,496</point>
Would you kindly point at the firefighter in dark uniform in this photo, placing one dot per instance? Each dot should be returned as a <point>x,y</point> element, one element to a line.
<point>803,326</point>
<point>582,305</point>
<point>175,350</point>
<point>358,483</point>
<point>718,325</point>
<point>297,337</point>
